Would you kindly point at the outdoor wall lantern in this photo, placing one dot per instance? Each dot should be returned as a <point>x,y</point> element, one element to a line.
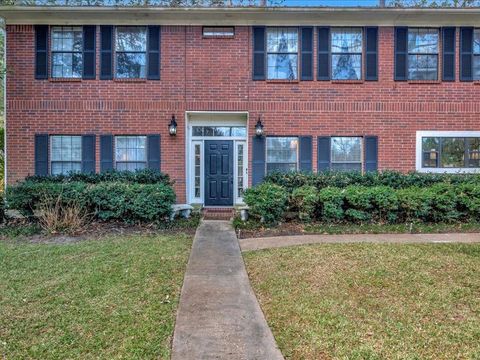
<point>259,128</point>
<point>172,127</point>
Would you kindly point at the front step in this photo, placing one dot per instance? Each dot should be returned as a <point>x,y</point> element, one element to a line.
<point>218,213</point>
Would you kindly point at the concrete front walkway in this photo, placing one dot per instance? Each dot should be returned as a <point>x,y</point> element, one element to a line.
<point>219,316</point>
<point>282,241</point>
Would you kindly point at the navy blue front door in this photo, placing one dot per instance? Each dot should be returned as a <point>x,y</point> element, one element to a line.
<point>218,173</point>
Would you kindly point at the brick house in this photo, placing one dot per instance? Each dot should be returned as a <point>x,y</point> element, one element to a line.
<point>94,89</point>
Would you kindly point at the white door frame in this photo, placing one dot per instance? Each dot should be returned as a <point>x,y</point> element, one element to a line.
<point>213,118</point>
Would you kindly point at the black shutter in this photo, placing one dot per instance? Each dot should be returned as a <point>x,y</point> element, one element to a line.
<point>89,44</point>
<point>154,154</point>
<point>106,52</point>
<point>448,50</point>
<point>106,153</point>
<point>154,53</point>
<point>307,53</point>
<point>323,72</point>
<point>41,52</point>
<point>401,53</point>
<point>259,57</point>
<point>88,154</point>
<point>305,153</point>
<point>466,54</point>
<point>258,160</point>
<point>41,154</point>
<point>371,63</point>
<point>371,153</point>
<point>323,153</point>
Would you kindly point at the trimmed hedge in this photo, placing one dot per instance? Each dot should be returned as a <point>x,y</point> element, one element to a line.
<point>439,203</point>
<point>124,201</point>
<point>394,179</point>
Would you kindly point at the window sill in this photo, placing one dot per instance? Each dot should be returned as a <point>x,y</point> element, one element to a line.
<point>65,79</point>
<point>476,82</point>
<point>130,80</point>
<point>282,81</point>
<point>422,82</point>
<point>347,81</point>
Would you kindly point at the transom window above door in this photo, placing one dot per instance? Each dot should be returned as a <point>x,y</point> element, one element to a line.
<point>131,52</point>
<point>346,48</point>
<point>67,51</point>
<point>233,131</point>
<point>282,53</point>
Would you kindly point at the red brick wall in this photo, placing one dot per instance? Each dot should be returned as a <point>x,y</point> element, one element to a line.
<point>215,75</point>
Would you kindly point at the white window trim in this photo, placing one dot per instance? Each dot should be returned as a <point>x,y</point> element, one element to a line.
<point>418,152</point>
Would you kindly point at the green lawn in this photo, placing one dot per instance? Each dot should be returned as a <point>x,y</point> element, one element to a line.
<point>103,299</point>
<point>367,301</point>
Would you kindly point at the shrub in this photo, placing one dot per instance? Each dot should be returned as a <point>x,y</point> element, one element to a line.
<point>444,203</point>
<point>468,197</point>
<point>305,200</point>
<point>331,202</point>
<point>145,176</point>
<point>358,203</point>
<point>384,201</point>
<point>266,201</point>
<point>414,203</point>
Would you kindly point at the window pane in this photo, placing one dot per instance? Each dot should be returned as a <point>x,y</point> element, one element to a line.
<point>346,40</point>
<point>476,67</point>
<point>422,67</point>
<point>346,166</point>
<point>430,144</point>
<point>423,41</point>
<point>476,41</point>
<point>131,38</point>
<point>282,40</point>
<point>67,38</point>
<point>67,65</point>
<point>430,148</point>
<point>221,131</point>
<point>197,131</point>
<point>130,152</point>
<point>281,167</point>
<point>473,152</point>
<point>282,66</point>
<point>131,65</point>
<point>453,152</point>
<point>346,149</point>
<point>239,131</point>
<point>346,67</point>
<point>282,150</point>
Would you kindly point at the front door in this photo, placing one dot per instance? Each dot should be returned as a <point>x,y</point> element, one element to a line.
<point>219,173</point>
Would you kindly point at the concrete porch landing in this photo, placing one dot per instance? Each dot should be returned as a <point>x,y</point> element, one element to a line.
<point>219,316</point>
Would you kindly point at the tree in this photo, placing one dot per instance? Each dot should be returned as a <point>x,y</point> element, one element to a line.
<point>434,3</point>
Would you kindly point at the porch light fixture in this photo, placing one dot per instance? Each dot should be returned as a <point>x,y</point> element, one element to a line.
<point>259,128</point>
<point>172,127</point>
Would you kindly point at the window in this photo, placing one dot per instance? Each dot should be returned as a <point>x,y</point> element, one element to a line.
<point>65,154</point>
<point>282,154</point>
<point>131,52</point>
<point>476,54</point>
<point>346,153</point>
<point>347,48</point>
<point>130,152</point>
<point>422,54</point>
<point>240,170</point>
<point>197,170</point>
<point>282,53</point>
<point>67,51</point>
<point>451,152</point>
<point>235,131</point>
<point>217,31</point>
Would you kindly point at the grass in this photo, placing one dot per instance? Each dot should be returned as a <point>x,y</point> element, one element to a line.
<point>371,301</point>
<point>110,298</point>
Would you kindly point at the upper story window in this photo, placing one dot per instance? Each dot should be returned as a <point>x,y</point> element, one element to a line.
<point>218,31</point>
<point>131,52</point>
<point>346,48</point>
<point>67,51</point>
<point>282,154</point>
<point>422,54</point>
<point>476,54</point>
<point>282,53</point>
<point>65,154</point>
<point>130,153</point>
<point>346,153</point>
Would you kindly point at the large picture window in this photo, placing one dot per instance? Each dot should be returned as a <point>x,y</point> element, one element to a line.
<point>131,52</point>
<point>422,54</point>
<point>130,153</point>
<point>347,46</point>
<point>476,54</point>
<point>282,154</point>
<point>346,153</point>
<point>67,51</point>
<point>282,53</point>
<point>65,154</point>
<point>451,152</point>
